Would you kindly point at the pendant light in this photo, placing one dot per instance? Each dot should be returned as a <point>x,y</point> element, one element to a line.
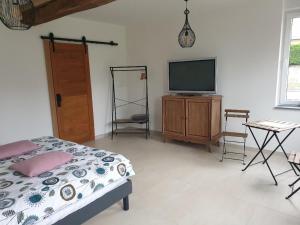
<point>11,14</point>
<point>187,36</point>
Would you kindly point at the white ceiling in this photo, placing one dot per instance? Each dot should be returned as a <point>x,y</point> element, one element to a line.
<point>130,12</point>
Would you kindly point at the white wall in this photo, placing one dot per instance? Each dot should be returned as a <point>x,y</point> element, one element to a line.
<point>245,37</point>
<point>292,4</point>
<point>24,101</point>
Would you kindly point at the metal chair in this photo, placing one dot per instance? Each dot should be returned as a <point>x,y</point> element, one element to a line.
<point>294,159</point>
<point>235,114</point>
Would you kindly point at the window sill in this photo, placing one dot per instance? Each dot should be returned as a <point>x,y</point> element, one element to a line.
<point>288,106</point>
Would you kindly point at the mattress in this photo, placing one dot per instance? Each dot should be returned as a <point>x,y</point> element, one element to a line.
<point>55,194</point>
<point>80,204</point>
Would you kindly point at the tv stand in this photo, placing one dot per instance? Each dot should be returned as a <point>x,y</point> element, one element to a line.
<point>195,119</point>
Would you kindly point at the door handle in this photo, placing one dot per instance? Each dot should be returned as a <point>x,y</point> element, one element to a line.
<point>58,100</point>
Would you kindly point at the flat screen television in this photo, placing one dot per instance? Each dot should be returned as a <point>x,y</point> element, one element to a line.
<point>194,76</point>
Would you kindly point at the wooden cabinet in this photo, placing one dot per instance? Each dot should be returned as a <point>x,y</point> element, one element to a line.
<point>195,119</point>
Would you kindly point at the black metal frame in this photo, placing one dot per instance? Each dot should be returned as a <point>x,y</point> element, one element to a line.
<point>99,205</point>
<point>83,40</point>
<point>264,145</point>
<point>292,185</point>
<point>115,121</point>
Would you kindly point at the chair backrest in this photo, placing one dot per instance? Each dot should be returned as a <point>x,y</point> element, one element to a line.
<point>237,113</point>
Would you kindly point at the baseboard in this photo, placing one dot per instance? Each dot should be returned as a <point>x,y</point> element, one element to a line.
<point>159,133</point>
<point>102,135</point>
<point>152,132</point>
<point>156,132</point>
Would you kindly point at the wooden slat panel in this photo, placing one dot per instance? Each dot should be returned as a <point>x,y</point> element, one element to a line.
<point>235,134</point>
<point>237,115</point>
<point>297,159</point>
<point>292,157</point>
<point>237,111</point>
<point>270,125</point>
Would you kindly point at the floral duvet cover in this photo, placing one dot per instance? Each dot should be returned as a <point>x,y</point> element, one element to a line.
<point>26,201</point>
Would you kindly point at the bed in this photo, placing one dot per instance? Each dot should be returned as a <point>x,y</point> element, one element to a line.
<point>71,194</point>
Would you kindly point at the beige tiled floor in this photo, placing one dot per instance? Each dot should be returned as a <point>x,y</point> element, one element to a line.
<point>183,184</point>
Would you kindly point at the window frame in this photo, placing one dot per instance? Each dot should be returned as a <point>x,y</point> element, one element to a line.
<point>285,61</point>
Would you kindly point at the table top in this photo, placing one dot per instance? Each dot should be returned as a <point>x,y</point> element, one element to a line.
<point>273,125</point>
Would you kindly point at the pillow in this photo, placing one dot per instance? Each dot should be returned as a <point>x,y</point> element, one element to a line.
<point>16,149</point>
<point>41,163</point>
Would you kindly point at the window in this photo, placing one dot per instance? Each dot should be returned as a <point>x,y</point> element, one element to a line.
<point>289,88</point>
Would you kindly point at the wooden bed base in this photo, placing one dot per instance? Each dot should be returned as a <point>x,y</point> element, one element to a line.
<point>99,205</point>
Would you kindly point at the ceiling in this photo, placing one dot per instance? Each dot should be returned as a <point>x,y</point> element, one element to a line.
<point>131,12</point>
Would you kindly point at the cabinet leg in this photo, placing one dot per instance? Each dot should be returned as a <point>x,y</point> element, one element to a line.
<point>217,144</point>
<point>165,139</point>
<point>209,148</point>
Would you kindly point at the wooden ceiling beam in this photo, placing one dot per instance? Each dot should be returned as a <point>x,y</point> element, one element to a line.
<point>46,10</point>
<point>37,3</point>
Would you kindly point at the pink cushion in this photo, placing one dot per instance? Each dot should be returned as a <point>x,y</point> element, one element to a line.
<point>41,163</point>
<point>16,149</point>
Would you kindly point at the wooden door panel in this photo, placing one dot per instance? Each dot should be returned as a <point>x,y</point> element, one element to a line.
<point>174,116</point>
<point>197,119</point>
<point>74,123</point>
<point>67,88</point>
<point>74,73</point>
<point>68,76</point>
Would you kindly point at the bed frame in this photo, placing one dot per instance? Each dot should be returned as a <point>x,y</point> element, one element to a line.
<point>99,205</point>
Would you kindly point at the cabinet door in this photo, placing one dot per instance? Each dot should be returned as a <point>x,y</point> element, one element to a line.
<point>197,119</point>
<point>174,116</point>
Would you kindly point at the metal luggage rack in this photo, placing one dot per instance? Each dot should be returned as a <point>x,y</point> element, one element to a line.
<point>115,130</point>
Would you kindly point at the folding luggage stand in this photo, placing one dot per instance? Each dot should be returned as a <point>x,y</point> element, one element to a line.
<point>141,119</point>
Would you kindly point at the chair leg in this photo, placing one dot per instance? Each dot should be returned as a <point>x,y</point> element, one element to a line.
<point>294,192</point>
<point>244,153</point>
<point>224,151</point>
<point>293,184</point>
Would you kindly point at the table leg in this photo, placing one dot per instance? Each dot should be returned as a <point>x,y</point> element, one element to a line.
<point>261,148</point>
<point>276,183</point>
<point>280,143</point>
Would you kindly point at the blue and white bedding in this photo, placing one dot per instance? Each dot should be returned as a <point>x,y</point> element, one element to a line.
<point>27,201</point>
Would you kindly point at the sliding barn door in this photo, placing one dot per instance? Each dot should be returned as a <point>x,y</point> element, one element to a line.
<point>70,91</point>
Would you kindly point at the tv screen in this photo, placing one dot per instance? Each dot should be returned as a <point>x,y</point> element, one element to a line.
<point>193,76</point>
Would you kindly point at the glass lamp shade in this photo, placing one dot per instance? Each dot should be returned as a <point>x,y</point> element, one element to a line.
<point>11,14</point>
<point>187,36</point>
